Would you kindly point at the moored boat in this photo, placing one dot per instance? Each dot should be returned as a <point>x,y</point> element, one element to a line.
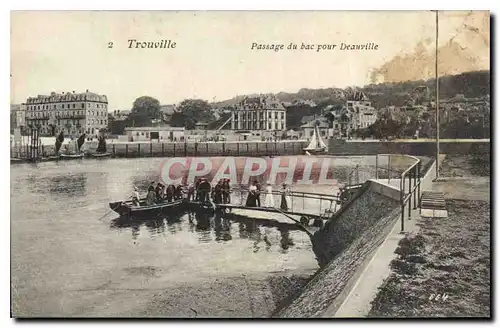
<point>71,156</point>
<point>101,149</point>
<point>128,208</point>
<point>100,155</point>
<point>77,154</point>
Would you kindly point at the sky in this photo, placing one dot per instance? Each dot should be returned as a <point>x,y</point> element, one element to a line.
<point>62,51</point>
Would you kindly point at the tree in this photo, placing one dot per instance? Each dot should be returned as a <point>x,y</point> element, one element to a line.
<point>191,111</point>
<point>147,106</point>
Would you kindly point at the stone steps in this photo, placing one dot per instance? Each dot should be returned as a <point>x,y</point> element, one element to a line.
<point>433,204</point>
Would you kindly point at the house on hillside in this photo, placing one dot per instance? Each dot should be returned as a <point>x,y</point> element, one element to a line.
<point>324,128</point>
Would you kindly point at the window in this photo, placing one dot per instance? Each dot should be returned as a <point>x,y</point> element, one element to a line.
<point>83,105</point>
<point>137,134</point>
<point>62,105</point>
<point>74,105</point>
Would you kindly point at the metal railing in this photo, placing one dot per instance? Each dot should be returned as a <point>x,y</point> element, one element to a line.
<point>412,171</point>
<point>323,205</point>
<point>353,176</point>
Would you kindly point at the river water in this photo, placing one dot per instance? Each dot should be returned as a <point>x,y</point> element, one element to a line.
<point>71,257</point>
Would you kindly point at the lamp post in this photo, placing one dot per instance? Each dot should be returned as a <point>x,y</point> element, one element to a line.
<point>437,97</point>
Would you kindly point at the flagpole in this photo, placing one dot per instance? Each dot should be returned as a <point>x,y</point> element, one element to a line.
<point>437,97</point>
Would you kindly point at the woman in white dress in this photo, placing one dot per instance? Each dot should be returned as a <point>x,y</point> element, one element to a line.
<point>269,201</point>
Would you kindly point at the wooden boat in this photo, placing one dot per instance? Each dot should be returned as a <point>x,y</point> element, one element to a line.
<point>101,149</point>
<point>14,160</point>
<point>317,145</point>
<point>71,156</point>
<point>77,154</point>
<point>127,208</point>
<point>100,155</point>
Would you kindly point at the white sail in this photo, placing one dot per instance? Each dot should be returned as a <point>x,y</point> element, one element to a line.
<point>316,144</point>
<point>321,143</point>
<point>313,143</point>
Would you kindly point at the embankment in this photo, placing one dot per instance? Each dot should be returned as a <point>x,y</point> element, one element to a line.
<point>410,147</point>
<point>191,149</point>
<point>343,246</point>
<point>282,148</point>
<point>346,244</point>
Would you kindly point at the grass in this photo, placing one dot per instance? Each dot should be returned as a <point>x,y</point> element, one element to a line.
<point>448,257</point>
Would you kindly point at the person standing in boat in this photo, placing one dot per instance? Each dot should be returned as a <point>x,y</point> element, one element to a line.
<point>197,189</point>
<point>269,201</point>
<point>135,197</point>
<point>158,192</point>
<point>258,192</point>
<point>285,199</point>
<point>204,190</point>
<point>151,186</point>
<point>190,194</point>
<point>252,196</point>
<point>226,191</point>
<point>178,192</point>
<point>151,198</point>
<point>217,198</point>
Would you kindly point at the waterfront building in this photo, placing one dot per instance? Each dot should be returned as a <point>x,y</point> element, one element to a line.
<point>17,116</point>
<point>265,113</point>
<point>73,113</point>
<point>162,132</point>
<point>363,113</point>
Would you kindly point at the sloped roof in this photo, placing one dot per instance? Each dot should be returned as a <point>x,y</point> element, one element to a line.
<point>322,123</point>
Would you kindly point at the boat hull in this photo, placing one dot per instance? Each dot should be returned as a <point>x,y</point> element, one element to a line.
<point>316,151</point>
<point>70,156</point>
<point>101,155</point>
<point>128,209</point>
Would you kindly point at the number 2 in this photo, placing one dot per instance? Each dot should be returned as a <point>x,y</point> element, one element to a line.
<point>110,45</point>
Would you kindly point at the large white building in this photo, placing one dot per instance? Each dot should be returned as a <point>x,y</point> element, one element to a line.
<point>73,113</point>
<point>259,113</point>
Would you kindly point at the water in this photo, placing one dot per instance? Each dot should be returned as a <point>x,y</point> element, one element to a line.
<point>64,252</point>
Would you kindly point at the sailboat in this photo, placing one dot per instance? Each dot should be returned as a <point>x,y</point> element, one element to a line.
<point>101,149</point>
<point>317,145</point>
<point>78,153</point>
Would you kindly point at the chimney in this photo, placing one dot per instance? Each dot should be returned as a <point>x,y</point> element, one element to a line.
<point>73,91</point>
<point>52,93</point>
<point>87,90</point>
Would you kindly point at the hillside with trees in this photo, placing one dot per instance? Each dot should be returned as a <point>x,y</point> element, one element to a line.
<point>470,84</point>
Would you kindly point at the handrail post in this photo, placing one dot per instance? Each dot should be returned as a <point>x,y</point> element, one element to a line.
<point>376,167</point>
<point>409,195</point>
<point>389,169</point>
<point>415,187</point>
<point>419,182</point>
<point>401,201</point>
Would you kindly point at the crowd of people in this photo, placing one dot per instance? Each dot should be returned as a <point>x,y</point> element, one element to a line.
<point>202,191</point>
